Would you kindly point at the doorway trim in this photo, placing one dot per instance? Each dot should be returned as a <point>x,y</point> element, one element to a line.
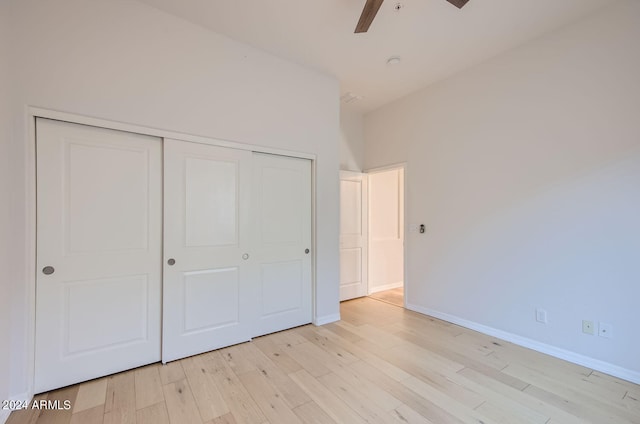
<point>33,112</point>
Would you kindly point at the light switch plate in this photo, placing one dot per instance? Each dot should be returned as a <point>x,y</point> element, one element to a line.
<point>541,315</point>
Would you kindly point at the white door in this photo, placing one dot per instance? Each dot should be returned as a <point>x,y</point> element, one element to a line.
<point>353,235</point>
<point>281,257</point>
<point>98,252</point>
<point>206,220</point>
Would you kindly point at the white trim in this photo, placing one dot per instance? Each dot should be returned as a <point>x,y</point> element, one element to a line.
<point>158,132</point>
<point>314,241</point>
<point>345,174</point>
<point>4,413</point>
<point>327,319</point>
<point>385,168</point>
<point>405,236</point>
<point>385,287</point>
<point>30,246</point>
<point>567,355</point>
<point>32,112</point>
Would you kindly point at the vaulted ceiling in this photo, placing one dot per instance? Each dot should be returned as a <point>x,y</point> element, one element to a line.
<point>432,38</point>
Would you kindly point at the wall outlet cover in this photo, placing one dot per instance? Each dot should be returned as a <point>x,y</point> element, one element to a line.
<point>587,327</point>
<point>541,315</point>
<point>605,330</point>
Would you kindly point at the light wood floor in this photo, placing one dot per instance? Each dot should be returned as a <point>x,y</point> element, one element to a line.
<point>380,364</point>
<point>393,296</point>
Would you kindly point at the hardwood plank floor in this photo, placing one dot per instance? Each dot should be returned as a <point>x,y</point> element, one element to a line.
<point>392,296</point>
<point>380,364</point>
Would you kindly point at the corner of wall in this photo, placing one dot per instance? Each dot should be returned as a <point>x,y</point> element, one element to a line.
<point>326,319</point>
<point>351,140</point>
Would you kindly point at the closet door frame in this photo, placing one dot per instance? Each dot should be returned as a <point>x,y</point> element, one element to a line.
<point>32,113</point>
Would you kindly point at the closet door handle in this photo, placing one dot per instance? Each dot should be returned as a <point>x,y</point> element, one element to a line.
<point>306,251</point>
<point>48,270</point>
<point>171,262</point>
<point>245,256</point>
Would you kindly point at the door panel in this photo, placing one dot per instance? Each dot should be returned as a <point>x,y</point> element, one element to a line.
<point>99,227</point>
<point>282,208</point>
<point>206,206</point>
<point>281,289</point>
<point>87,303</point>
<point>353,235</point>
<point>351,191</point>
<point>89,173</point>
<point>211,206</point>
<point>199,288</point>
<point>350,266</point>
<point>281,205</point>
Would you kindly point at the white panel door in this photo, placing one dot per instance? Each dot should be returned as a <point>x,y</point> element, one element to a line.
<point>281,255</point>
<point>353,235</point>
<point>98,252</point>
<point>206,207</point>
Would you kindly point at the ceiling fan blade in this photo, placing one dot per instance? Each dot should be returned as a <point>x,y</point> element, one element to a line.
<point>368,13</point>
<point>458,3</point>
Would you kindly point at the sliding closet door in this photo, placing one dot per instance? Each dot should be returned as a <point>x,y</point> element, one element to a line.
<point>98,252</point>
<point>281,211</point>
<point>206,242</point>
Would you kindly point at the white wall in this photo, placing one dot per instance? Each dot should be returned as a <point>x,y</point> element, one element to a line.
<point>124,61</point>
<point>386,230</point>
<point>351,140</point>
<point>6,264</point>
<point>526,171</point>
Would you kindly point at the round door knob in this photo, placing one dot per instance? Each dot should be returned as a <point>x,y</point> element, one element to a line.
<point>306,251</point>
<point>245,256</point>
<point>171,262</point>
<point>48,270</point>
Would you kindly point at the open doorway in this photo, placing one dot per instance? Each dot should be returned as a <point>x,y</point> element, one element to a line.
<point>372,235</point>
<point>386,235</point>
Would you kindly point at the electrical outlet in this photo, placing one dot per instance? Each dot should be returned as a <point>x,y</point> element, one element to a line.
<point>587,327</point>
<point>605,330</point>
<point>541,315</point>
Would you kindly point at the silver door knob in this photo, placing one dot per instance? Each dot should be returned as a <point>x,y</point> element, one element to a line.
<point>306,251</point>
<point>48,270</point>
<point>171,262</point>
<point>245,256</point>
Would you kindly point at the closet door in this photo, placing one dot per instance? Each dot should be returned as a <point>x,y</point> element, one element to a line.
<point>206,242</point>
<point>282,254</point>
<point>98,252</point>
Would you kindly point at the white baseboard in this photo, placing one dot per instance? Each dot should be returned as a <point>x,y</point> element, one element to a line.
<point>327,319</point>
<point>4,414</point>
<point>385,287</point>
<point>567,355</point>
